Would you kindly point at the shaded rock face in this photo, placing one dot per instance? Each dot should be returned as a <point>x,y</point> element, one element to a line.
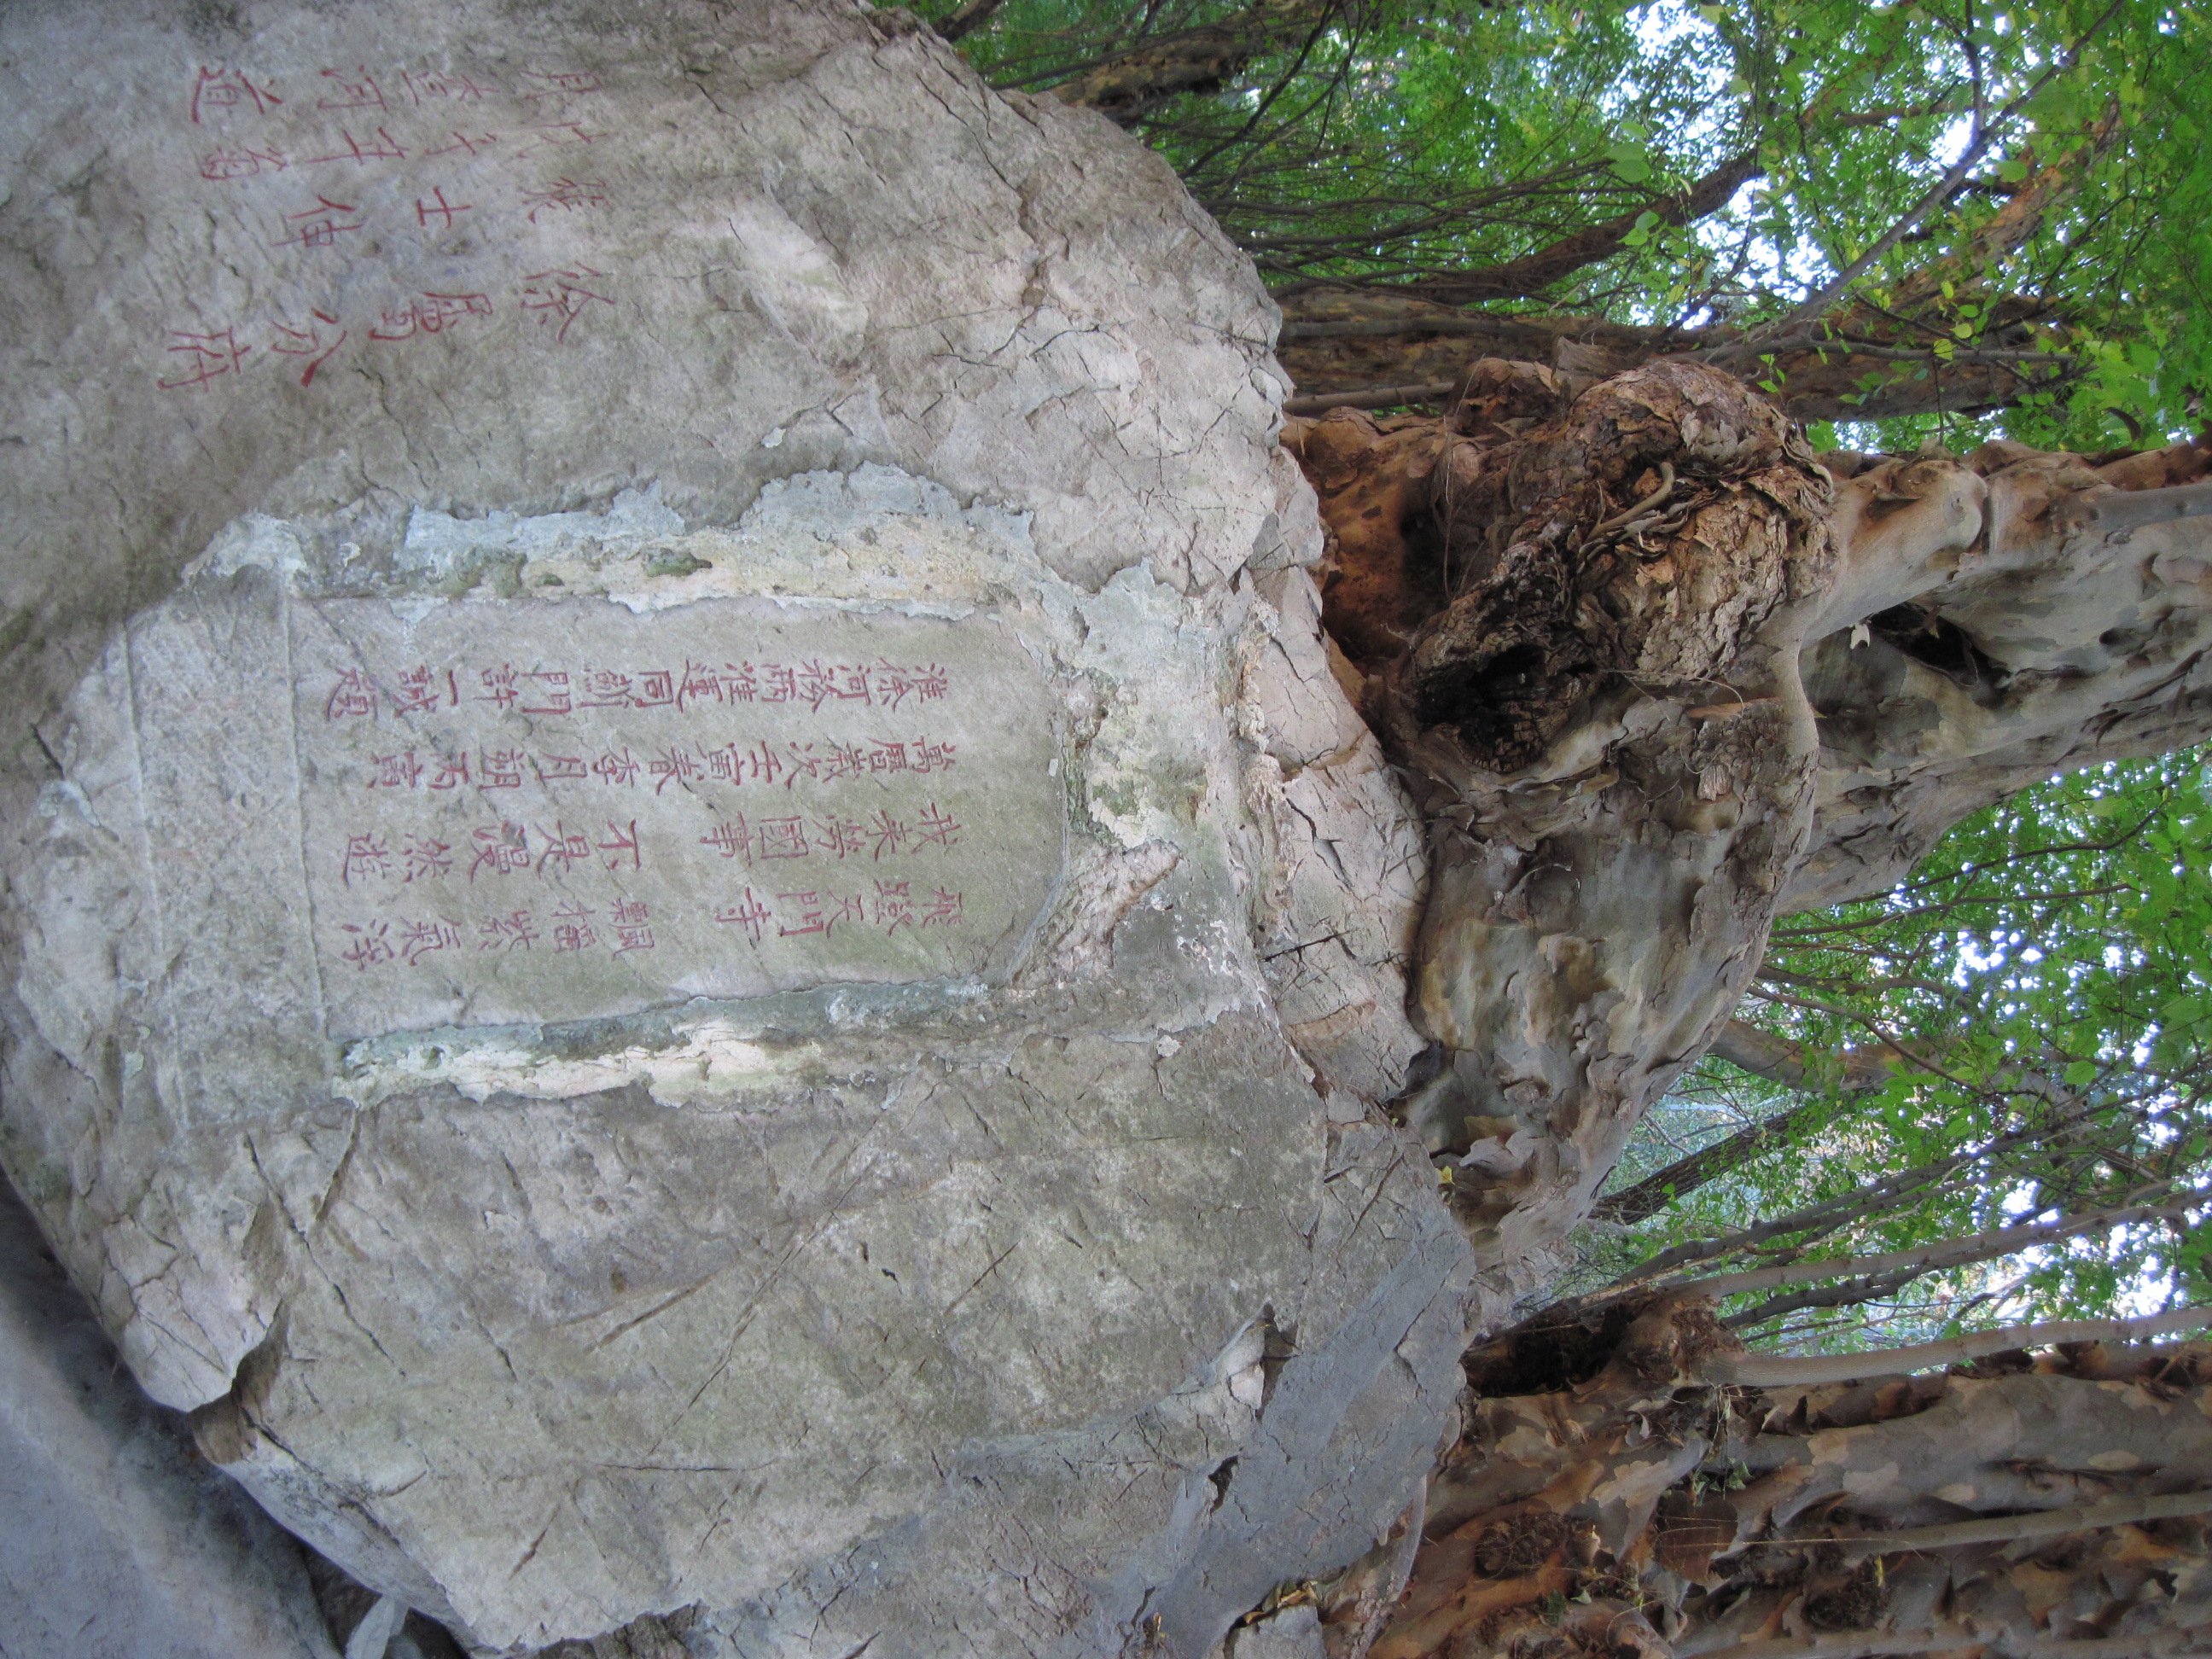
<point>692,922</point>
<point>119,1540</point>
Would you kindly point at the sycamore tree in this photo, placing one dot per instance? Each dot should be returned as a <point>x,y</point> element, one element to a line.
<point>1766,526</point>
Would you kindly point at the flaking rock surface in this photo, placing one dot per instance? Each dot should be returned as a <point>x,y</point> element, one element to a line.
<point>691,921</point>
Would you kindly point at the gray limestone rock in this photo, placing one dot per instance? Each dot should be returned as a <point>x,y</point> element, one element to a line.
<point>693,925</point>
<point>120,1542</point>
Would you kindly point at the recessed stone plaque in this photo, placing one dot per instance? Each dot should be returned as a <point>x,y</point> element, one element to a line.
<point>468,812</point>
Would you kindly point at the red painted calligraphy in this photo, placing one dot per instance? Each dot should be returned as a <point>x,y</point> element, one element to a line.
<point>319,225</point>
<point>207,356</point>
<point>429,313</point>
<point>371,945</point>
<point>675,765</point>
<point>621,841</point>
<point>809,917</point>
<point>361,93</point>
<point>566,195</point>
<point>560,84</point>
<point>562,296</point>
<point>890,834</point>
<point>463,144</point>
<point>818,682</point>
<point>733,841</point>
<point>564,847</point>
<point>561,134</point>
<point>613,769</point>
<point>498,686</point>
<point>504,849</point>
<point>500,769</point>
<point>749,914</point>
<point>221,166</point>
<point>936,828</point>
<point>515,930</point>
<point>418,940</point>
<point>309,343</point>
<point>456,89</point>
<point>365,856</point>
<point>573,929</point>
<point>228,88</point>
<point>894,905</point>
<point>840,836</point>
<point>425,856</point>
<point>439,206</point>
<point>604,688</point>
<point>894,685</point>
<point>782,838</point>
<point>554,768</point>
<point>631,926</point>
<point>418,693</point>
<point>399,771</point>
<point>552,694</point>
<point>382,148</point>
<point>354,696</point>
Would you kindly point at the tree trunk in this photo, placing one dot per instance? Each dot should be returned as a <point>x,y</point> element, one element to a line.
<point>1659,674</point>
<point>1611,1492</point>
<point>1859,366</point>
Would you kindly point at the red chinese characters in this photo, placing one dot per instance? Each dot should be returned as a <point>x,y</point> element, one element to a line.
<point>353,697</point>
<point>316,342</point>
<point>445,87</point>
<point>429,313</point>
<point>319,225</point>
<point>206,356</point>
<point>218,90</point>
<point>381,147</point>
<point>437,207</point>
<point>224,166</point>
<point>358,92</point>
<point>631,922</point>
<point>558,298</point>
<point>564,196</point>
<point>558,84</point>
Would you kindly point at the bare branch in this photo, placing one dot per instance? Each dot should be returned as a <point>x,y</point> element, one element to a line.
<point>1381,397</point>
<point>1763,1054</point>
<point>1945,1252</point>
<point>968,17</point>
<point>1767,1370</point>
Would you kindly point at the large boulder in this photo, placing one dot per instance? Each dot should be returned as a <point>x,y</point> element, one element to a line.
<point>694,924</point>
<point>120,1542</point>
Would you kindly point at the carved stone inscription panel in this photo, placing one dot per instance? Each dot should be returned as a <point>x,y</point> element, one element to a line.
<point>555,809</point>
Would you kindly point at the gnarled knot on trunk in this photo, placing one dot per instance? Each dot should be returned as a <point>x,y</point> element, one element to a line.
<point>1577,616</point>
<point>1656,674</point>
<point>1496,571</point>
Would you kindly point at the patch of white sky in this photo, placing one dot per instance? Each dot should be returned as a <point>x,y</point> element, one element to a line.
<point>1688,43</point>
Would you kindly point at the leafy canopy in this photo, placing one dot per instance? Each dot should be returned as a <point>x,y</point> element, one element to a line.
<point>1381,141</point>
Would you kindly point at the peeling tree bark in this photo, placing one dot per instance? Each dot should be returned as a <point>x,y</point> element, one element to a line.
<point>1658,675</point>
<point>1612,1494</point>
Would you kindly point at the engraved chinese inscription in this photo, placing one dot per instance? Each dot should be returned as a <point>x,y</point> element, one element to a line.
<point>524,811</point>
<point>397,166</point>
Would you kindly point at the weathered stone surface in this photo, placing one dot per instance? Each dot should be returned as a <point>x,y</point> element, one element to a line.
<point>1017,1270</point>
<point>120,1543</point>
